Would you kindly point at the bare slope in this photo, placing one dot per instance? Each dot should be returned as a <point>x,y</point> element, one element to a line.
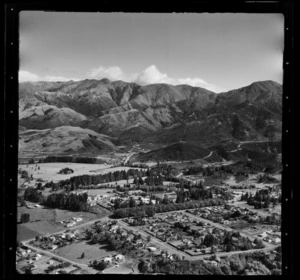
<point>64,139</point>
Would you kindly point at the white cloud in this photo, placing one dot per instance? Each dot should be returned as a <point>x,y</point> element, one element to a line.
<point>112,73</point>
<point>150,75</point>
<point>26,76</point>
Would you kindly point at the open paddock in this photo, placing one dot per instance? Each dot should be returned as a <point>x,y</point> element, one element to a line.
<point>45,221</point>
<point>92,252</point>
<point>49,171</point>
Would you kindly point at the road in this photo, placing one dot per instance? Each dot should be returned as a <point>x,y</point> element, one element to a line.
<point>154,240</point>
<point>70,228</point>
<point>172,250</point>
<point>162,245</point>
<point>208,155</point>
<point>179,175</point>
<point>48,253</point>
<point>247,142</point>
<point>128,158</point>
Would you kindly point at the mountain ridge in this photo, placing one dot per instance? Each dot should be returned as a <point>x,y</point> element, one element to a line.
<point>159,113</point>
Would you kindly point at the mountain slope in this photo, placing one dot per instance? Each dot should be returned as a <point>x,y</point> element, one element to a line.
<point>64,139</point>
<point>157,113</point>
<point>47,116</point>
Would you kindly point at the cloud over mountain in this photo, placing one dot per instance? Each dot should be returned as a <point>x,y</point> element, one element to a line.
<point>26,76</point>
<point>150,75</point>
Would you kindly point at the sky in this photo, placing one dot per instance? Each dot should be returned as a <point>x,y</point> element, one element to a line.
<point>219,52</point>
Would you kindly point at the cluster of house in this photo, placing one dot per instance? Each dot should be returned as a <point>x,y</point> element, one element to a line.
<point>31,205</point>
<point>52,242</point>
<point>271,236</point>
<point>71,222</point>
<point>116,259</point>
<point>94,199</point>
<point>225,214</point>
<point>130,236</point>
<point>27,257</point>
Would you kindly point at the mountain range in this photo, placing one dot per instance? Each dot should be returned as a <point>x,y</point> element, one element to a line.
<point>118,112</point>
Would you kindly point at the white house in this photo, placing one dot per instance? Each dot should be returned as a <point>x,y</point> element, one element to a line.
<point>276,240</point>
<point>264,234</point>
<point>119,257</point>
<point>152,249</point>
<point>108,259</point>
<point>53,247</point>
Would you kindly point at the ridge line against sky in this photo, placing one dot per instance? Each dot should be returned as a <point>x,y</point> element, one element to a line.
<point>218,52</point>
<point>150,75</point>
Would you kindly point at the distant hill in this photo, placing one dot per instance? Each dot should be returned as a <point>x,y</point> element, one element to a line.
<point>64,139</point>
<point>177,151</point>
<point>158,113</point>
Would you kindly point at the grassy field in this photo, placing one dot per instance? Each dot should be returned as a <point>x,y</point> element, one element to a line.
<point>106,192</point>
<point>49,171</point>
<point>92,252</point>
<point>24,233</point>
<point>43,221</point>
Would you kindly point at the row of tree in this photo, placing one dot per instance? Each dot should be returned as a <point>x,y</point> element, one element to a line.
<point>261,199</point>
<point>69,201</point>
<point>150,210</point>
<point>70,159</point>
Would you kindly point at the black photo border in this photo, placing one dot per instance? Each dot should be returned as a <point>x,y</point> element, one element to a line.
<point>10,108</point>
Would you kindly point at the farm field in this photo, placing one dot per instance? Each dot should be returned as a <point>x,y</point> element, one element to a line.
<point>49,171</point>
<point>45,221</point>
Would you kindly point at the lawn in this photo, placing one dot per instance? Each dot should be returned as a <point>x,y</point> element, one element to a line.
<point>123,268</point>
<point>24,233</point>
<point>92,252</point>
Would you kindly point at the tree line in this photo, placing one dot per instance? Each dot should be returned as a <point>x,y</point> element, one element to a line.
<point>70,159</point>
<point>69,201</point>
<point>150,210</point>
<point>261,199</point>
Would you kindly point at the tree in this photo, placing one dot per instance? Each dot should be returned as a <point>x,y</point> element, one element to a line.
<point>100,265</point>
<point>148,238</point>
<point>83,255</point>
<point>25,217</point>
<point>213,249</point>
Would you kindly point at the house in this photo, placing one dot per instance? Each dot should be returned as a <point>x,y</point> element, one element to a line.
<point>70,224</point>
<point>124,233</point>
<point>187,241</point>
<point>108,259</point>
<point>264,234</point>
<point>50,262</point>
<point>152,249</point>
<point>52,247</point>
<point>276,240</point>
<point>119,258</point>
<point>69,236</point>
<point>52,238</point>
<point>114,228</point>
